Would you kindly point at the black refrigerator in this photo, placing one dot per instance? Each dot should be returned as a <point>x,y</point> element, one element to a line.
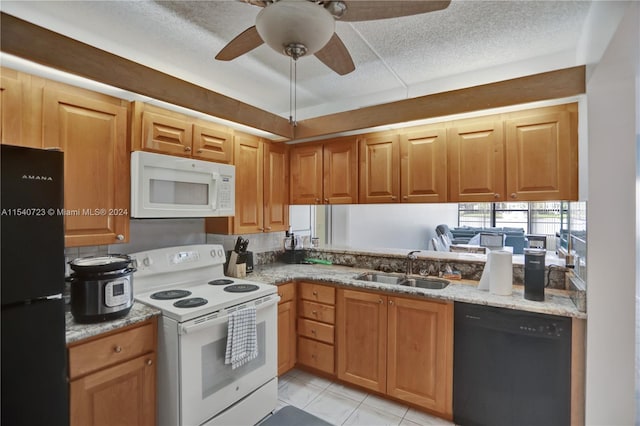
<point>35,387</point>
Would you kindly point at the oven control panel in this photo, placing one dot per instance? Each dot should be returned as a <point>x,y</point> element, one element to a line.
<point>183,257</point>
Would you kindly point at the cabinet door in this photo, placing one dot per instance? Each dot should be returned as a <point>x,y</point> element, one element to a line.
<point>124,394</point>
<point>340,160</point>
<point>542,160</point>
<point>212,143</point>
<point>362,338</point>
<point>20,109</point>
<point>476,160</point>
<point>276,187</point>
<point>420,353</point>
<point>379,168</point>
<point>248,153</point>
<point>166,134</point>
<point>423,165</point>
<point>306,174</point>
<point>286,336</point>
<point>92,134</point>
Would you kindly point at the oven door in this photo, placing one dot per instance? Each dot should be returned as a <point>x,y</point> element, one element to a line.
<point>208,385</point>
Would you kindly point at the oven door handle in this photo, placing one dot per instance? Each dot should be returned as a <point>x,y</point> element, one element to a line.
<point>223,317</point>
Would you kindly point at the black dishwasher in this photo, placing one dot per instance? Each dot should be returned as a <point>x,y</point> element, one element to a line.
<point>510,367</point>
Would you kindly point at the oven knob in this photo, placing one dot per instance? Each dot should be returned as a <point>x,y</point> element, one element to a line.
<point>220,252</point>
<point>147,261</point>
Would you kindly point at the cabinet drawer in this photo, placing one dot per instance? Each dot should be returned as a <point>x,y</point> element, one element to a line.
<point>318,293</point>
<point>318,312</point>
<point>286,292</point>
<point>315,354</point>
<point>315,330</point>
<point>110,350</point>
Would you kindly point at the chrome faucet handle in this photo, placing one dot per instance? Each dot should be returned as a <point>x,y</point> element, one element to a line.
<point>412,254</point>
<point>423,272</point>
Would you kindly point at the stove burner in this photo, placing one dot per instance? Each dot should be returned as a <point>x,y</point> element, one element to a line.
<point>221,281</point>
<point>192,302</point>
<point>241,288</point>
<point>170,294</point>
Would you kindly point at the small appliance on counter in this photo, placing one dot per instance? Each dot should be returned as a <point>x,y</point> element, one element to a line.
<point>101,287</point>
<point>534,274</point>
<point>293,248</point>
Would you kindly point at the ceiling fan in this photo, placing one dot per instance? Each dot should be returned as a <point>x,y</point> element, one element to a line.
<point>298,28</point>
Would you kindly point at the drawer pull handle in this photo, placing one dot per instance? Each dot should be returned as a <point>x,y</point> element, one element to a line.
<point>315,293</point>
<point>149,362</point>
<point>314,313</point>
<point>380,301</point>
<point>313,356</point>
<point>391,302</point>
<point>313,331</point>
<point>117,349</point>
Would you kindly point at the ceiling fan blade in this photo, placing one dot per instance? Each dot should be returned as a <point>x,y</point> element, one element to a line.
<point>336,56</point>
<point>247,40</point>
<point>367,10</point>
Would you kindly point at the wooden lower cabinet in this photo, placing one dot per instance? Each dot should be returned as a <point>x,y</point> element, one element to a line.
<point>316,330</point>
<point>398,346</point>
<point>113,378</point>
<point>286,328</point>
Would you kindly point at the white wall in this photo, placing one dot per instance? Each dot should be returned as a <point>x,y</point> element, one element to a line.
<point>405,226</point>
<point>612,103</point>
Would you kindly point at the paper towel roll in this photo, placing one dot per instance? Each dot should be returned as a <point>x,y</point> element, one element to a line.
<point>501,272</point>
<point>484,278</point>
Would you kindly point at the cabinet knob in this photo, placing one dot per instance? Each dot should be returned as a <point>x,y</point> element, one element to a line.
<point>405,197</point>
<point>268,228</point>
<point>315,293</point>
<point>391,302</point>
<point>260,229</point>
<point>117,349</point>
<point>380,301</point>
<point>199,151</point>
<point>313,356</point>
<point>313,332</point>
<point>149,361</point>
<point>120,237</point>
<point>187,149</point>
<point>393,197</point>
<point>514,195</point>
<point>496,195</point>
<point>314,313</point>
<point>317,200</point>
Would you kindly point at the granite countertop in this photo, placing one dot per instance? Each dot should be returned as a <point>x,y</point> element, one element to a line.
<point>139,312</point>
<point>557,302</point>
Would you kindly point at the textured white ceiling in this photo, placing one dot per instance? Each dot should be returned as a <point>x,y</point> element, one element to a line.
<point>470,42</point>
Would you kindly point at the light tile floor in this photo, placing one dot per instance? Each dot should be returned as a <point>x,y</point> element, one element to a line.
<point>341,405</point>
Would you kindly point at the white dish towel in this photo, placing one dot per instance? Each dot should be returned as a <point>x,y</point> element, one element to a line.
<point>242,337</point>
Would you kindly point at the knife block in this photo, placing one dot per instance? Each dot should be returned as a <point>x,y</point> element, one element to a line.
<point>236,270</point>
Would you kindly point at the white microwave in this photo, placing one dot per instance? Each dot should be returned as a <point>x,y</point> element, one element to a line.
<point>165,186</point>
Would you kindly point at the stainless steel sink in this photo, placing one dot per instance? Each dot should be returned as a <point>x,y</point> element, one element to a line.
<point>431,283</point>
<point>381,278</point>
<point>426,282</point>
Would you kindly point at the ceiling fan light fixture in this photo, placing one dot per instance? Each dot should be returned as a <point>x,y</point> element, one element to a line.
<point>288,23</point>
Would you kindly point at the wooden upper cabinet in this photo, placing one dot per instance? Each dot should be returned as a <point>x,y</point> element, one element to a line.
<point>340,166</point>
<point>379,168</point>
<point>167,132</point>
<point>212,142</point>
<point>325,173</point>
<point>420,353</point>
<point>306,174</point>
<point>423,164</point>
<point>476,160</point>
<point>542,161</point>
<point>248,153</point>
<point>91,129</point>
<point>362,338</point>
<point>276,187</point>
<point>20,108</point>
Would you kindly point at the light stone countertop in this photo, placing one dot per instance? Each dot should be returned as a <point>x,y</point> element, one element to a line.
<point>557,302</point>
<point>75,331</point>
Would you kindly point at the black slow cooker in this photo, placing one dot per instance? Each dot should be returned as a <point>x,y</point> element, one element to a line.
<point>101,287</point>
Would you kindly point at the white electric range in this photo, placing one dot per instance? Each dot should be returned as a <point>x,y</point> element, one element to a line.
<point>195,386</point>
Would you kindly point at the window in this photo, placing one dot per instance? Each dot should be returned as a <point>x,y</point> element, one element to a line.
<point>543,218</point>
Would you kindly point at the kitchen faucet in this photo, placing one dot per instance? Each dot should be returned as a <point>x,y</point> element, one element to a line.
<point>411,256</point>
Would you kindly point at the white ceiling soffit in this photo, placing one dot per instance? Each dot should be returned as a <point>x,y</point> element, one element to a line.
<point>469,43</point>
